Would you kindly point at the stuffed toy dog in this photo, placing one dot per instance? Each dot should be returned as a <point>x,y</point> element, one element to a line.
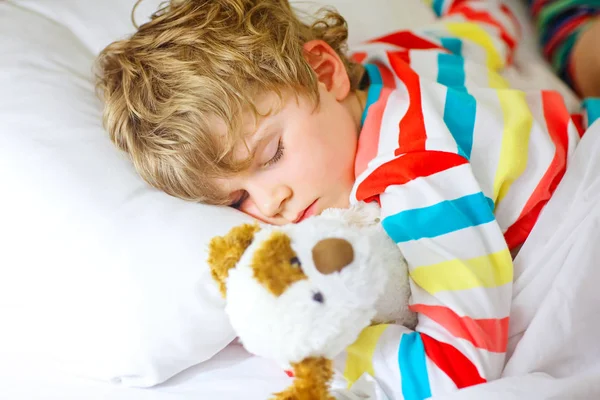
<point>301,294</point>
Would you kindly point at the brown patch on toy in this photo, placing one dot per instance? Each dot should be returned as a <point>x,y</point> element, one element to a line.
<point>224,252</point>
<point>312,379</point>
<point>276,265</point>
<point>332,255</point>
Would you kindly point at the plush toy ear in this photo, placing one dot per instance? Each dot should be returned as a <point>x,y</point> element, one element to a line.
<point>224,252</point>
<point>312,379</point>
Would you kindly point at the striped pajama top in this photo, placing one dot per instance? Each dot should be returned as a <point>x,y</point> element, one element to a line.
<point>461,166</point>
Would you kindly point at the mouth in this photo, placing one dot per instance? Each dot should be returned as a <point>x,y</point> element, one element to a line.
<point>308,212</point>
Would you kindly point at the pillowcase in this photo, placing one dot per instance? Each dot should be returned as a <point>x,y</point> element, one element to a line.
<point>102,274</point>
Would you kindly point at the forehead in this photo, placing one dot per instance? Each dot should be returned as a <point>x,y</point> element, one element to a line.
<point>241,133</point>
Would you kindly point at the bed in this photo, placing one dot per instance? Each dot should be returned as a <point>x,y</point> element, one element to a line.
<point>553,347</point>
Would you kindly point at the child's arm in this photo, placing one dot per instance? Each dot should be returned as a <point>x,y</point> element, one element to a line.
<point>461,274</point>
<point>460,267</point>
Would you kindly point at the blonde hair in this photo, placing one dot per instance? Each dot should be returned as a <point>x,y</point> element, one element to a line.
<point>197,62</point>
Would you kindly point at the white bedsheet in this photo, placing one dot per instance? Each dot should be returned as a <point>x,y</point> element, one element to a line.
<point>555,318</point>
<point>231,375</point>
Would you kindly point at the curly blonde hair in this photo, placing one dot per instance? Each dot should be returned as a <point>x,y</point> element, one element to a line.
<point>201,62</point>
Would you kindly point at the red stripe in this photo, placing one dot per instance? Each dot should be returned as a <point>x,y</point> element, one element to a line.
<point>455,5</point>
<point>402,54</point>
<point>578,122</point>
<point>406,168</point>
<point>358,57</point>
<point>506,11</point>
<point>488,334</point>
<point>537,6</point>
<point>368,140</point>
<point>407,40</point>
<point>557,119</point>
<point>486,18</point>
<point>412,126</point>
<point>387,76</point>
<point>454,364</point>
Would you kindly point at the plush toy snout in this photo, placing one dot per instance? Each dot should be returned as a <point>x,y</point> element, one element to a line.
<point>332,255</point>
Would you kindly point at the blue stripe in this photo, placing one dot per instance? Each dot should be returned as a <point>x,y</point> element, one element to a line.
<point>438,7</point>
<point>592,108</point>
<point>376,84</point>
<point>442,218</point>
<point>451,71</point>
<point>453,45</point>
<point>459,116</point>
<point>413,370</point>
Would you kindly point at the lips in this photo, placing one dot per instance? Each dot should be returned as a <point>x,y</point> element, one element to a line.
<point>309,212</point>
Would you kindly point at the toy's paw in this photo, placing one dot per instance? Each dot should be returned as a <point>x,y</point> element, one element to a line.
<point>313,376</point>
<point>293,394</point>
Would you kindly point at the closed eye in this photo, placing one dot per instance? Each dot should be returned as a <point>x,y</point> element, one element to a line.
<point>277,156</point>
<point>238,203</point>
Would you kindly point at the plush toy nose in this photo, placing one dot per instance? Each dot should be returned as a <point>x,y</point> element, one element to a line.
<point>332,255</point>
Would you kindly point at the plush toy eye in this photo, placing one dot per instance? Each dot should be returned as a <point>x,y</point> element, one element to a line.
<point>318,297</point>
<point>295,262</point>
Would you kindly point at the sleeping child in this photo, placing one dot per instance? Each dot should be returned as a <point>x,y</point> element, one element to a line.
<point>238,102</point>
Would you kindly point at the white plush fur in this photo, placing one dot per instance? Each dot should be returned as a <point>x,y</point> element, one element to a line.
<point>291,327</point>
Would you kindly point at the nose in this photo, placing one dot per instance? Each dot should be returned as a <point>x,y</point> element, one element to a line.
<point>270,200</point>
<point>332,255</point>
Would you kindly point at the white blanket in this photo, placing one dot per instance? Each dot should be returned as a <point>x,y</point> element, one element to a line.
<point>554,344</point>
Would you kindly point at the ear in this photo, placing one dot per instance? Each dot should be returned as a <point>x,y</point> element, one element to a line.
<point>312,379</point>
<point>224,252</point>
<point>329,67</point>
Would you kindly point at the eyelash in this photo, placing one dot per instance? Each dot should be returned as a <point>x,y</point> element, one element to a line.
<point>238,203</point>
<point>276,157</point>
<point>278,154</point>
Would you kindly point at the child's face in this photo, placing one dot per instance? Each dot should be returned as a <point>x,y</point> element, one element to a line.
<point>305,158</point>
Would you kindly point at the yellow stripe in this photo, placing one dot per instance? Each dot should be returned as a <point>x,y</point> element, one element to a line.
<point>428,2</point>
<point>486,271</point>
<point>477,35</point>
<point>497,81</point>
<point>515,141</point>
<point>360,353</point>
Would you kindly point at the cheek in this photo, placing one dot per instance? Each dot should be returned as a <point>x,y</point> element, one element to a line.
<point>336,141</point>
<point>250,208</point>
<point>321,147</point>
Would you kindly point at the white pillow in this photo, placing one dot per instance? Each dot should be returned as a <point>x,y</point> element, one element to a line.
<point>99,272</point>
<point>104,274</point>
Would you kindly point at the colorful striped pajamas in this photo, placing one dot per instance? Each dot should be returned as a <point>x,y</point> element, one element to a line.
<point>461,166</point>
